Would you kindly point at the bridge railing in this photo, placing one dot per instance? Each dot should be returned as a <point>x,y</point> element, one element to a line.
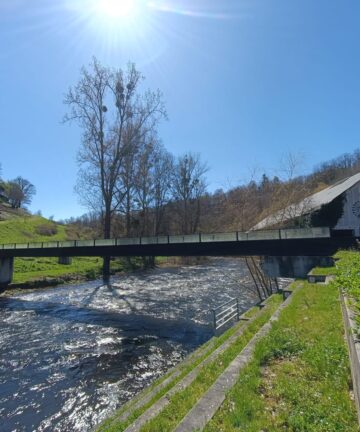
<point>236,236</point>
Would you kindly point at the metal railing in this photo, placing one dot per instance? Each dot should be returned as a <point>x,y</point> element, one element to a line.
<point>236,236</point>
<point>225,313</point>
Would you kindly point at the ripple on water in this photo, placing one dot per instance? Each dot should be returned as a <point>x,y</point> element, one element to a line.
<point>72,355</point>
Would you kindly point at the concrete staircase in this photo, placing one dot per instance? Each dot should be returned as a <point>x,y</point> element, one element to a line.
<point>151,403</point>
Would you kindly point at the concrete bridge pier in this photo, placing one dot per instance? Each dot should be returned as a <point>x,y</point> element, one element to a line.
<point>293,266</point>
<point>6,271</point>
<point>64,260</point>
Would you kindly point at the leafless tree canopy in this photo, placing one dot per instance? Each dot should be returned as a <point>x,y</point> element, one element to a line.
<point>188,187</point>
<point>116,119</point>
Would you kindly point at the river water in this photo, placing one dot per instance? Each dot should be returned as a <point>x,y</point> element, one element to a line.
<point>70,356</point>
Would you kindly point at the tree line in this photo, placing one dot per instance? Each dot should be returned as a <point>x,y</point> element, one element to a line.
<point>132,185</point>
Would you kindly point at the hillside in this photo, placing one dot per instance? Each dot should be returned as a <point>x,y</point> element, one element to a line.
<point>17,225</point>
<point>28,228</point>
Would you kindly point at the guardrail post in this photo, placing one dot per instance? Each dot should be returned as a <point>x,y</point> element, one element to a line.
<point>237,310</point>
<point>199,237</point>
<point>168,238</point>
<point>214,318</point>
<point>237,235</point>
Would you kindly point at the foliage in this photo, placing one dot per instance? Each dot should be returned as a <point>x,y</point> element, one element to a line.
<point>48,229</point>
<point>19,192</point>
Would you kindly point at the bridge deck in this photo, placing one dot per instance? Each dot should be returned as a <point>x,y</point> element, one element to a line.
<point>311,241</point>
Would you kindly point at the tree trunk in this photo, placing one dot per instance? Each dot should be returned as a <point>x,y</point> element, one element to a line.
<point>107,235</point>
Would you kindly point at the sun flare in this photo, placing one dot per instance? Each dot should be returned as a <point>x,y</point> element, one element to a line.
<point>116,8</point>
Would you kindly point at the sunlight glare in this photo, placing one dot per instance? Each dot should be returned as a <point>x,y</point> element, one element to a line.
<point>116,8</point>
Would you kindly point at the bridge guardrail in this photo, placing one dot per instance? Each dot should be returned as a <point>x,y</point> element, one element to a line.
<point>282,234</point>
<point>294,233</point>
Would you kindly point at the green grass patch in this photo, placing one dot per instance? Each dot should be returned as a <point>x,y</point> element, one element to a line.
<point>34,269</point>
<point>299,378</point>
<point>26,229</point>
<point>31,269</point>
<point>324,271</point>
<point>348,278</point>
<point>112,424</point>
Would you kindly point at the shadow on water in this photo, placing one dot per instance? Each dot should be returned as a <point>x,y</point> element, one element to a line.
<point>131,323</point>
<point>70,356</point>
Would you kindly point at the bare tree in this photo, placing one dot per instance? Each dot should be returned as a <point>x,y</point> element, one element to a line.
<point>163,169</point>
<point>114,117</point>
<point>19,192</point>
<point>152,186</point>
<point>144,187</point>
<point>188,184</point>
<point>125,186</point>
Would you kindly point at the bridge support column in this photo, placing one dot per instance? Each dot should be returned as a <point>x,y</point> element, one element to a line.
<point>6,271</point>
<point>106,270</point>
<point>64,260</point>
<point>293,266</point>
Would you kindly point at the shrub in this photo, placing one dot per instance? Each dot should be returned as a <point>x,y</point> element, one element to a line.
<point>46,229</point>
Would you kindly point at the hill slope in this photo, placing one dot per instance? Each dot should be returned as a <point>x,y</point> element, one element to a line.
<point>18,226</point>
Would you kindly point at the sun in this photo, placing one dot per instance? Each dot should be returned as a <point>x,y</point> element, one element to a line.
<point>116,9</point>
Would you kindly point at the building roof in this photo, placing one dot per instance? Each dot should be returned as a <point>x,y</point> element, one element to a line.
<point>309,204</point>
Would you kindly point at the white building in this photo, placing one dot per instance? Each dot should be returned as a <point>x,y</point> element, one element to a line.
<point>342,198</point>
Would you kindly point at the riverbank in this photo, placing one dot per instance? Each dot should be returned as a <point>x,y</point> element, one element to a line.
<point>298,379</point>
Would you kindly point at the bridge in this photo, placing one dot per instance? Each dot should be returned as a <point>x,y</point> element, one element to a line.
<point>320,242</point>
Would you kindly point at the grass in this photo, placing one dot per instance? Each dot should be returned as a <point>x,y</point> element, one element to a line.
<point>31,269</point>
<point>27,270</point>
<point>30,229</point>
<point>112,424</point>
<point>24,228</point>
<point>348,278</point>
<point>299,378</point>
<point>323,271</point>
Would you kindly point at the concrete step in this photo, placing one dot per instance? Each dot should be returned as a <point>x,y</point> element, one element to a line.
<point>161,403</point>
<point>148,394</point>
<point>210,402</point>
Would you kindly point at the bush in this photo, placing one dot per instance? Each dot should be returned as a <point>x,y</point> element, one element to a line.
<point>46,229</point>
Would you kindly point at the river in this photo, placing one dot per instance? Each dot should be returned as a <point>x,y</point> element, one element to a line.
<point>71,355</point>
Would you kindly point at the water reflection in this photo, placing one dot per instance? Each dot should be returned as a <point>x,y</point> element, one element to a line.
<point>71,355</point>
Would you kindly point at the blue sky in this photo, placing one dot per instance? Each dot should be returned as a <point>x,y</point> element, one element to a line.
<point>244,82</point>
